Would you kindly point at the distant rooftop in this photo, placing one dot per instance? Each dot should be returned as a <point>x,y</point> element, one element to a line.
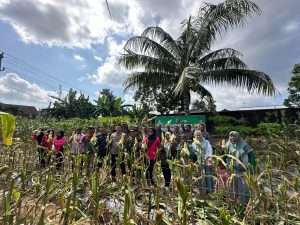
<point>257,108</point>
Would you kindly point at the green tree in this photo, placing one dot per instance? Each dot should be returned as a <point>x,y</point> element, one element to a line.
<point>108,105</point>
<point>185,64</point>
<point>71,106</point>
<point>161,101</point>
<point>293,99</point>
<point>137,112</point>
<point>204,105</point>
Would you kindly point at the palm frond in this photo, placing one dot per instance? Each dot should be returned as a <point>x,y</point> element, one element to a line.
<point>204,94</point>
<point>163,38</point>
<point>253,81</point>
<point>133,61</point>
<point>150,79</point>
<point>230,13</point>
<point>220,53</point>
<point>202,91</point>
<point>223,63</point>
<point>215,19</point>
<point>145,46</point>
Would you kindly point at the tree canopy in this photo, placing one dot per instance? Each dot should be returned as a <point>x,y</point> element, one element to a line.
<point>158,62</point>
<point>293,100</point>
<point>76,104</point>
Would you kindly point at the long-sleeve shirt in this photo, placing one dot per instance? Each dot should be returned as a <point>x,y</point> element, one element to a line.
<point>76,143</point>
<point>152,148</point>
<point>115,143</point>
<point>59,144</point>
<point>101,143</point>
<point>203,150</point>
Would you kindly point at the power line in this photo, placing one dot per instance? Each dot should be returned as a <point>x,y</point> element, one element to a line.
<point>14,70</point>
<point>46,74</point>
<point>21,70</point>
<point>41,72</point>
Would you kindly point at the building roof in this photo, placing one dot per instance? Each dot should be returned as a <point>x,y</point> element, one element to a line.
<point>257,108</point>
<point>19,110</point>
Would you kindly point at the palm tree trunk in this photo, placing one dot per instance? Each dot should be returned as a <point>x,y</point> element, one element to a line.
<point>185,102</point>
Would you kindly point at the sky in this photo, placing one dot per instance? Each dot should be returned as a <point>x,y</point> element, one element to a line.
<point>76,43</point>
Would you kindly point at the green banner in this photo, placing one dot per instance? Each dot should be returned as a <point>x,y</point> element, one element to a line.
<point>177,120</point>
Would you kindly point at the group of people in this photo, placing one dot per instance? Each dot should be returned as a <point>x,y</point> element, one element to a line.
<point>148,145</point>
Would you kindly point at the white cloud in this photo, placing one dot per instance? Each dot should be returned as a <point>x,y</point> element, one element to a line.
<point>291,26</point>
<point>267,42</point>
<point>98,58</point>
<point>16,90</point>
<point>110,72</point>
<point>228,97</point>
<point>78,57</point>
<point>76,23</point>
<point>82,23</point>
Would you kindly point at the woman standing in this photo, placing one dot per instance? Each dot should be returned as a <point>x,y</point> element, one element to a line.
<point>165,155</point>
<point>239,149</point>
<point>76,144</point>
<point>203,151</point>
<point>152,142</point>
<point>46,144</point>
<point>116,143</point>
<point>101,144</point>
<point>59,142</point>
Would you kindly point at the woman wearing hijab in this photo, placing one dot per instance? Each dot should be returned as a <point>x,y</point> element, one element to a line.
<point>239,149</point>
<point>203,151</point>
<point>46,144</point>
<point>165,155</point>
<point>152,142</point>
<point>59,142</point>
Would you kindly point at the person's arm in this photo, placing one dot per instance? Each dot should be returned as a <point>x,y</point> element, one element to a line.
<point>182,127</point>
<point>251,158</point>
<point>208,154</point>
<point>72,138</point>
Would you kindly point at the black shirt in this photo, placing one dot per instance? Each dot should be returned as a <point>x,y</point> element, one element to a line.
<point>102,143</point>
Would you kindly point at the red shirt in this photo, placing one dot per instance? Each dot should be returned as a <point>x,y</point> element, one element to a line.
<point>58,144</point>
<point>152,148</point>
<point>47,142</point>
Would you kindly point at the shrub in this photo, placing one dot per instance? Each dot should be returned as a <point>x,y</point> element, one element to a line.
<point>108,121</point>
<point>243,130</point>
<point>268,129</point>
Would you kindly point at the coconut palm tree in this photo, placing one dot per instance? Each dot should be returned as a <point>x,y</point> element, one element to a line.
<point>158,61</point>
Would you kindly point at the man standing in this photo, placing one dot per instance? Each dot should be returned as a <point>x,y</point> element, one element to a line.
<point>202,128</point>
<point>116,143</point>
<point>101,144</point>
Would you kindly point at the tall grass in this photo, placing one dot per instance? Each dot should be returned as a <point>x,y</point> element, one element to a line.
<point>75,195</point>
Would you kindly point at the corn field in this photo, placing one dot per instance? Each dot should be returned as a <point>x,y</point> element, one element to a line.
<point>85,195</point>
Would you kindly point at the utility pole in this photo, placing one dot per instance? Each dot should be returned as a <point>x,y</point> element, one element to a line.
<point>60,91</point>
<point>1,57</point>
